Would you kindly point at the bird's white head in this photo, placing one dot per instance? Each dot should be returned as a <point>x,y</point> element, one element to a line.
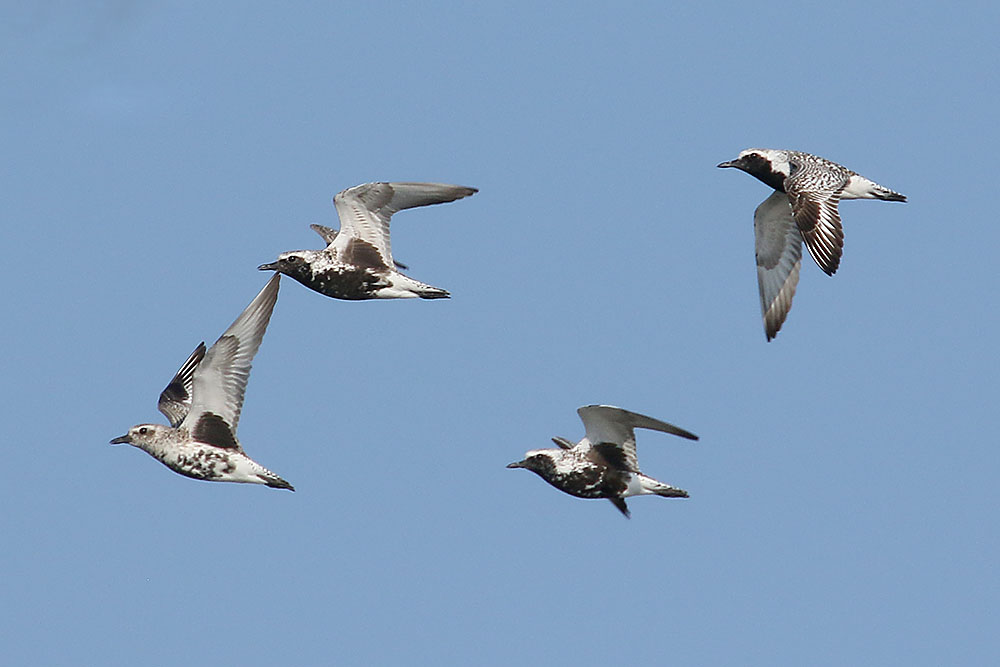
<point>769,165</point>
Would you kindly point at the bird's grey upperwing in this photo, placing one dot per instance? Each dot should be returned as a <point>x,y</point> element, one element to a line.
<point>606,424</point>
<point>365,210</point>
<point>814,193</point>
<point>779,259</point>
<point>220,380</point>
<point>175,400</point>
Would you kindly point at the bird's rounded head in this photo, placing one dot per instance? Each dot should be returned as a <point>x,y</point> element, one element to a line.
<point>535,460</point>
<point>751,158</point>
<point>140,435</point>
<point>766,164</point>
<point>294,264</point>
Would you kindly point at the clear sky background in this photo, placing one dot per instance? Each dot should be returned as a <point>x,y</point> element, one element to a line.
<point>843,501</point>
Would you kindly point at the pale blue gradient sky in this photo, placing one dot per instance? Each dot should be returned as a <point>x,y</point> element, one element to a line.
<point>843,493</point>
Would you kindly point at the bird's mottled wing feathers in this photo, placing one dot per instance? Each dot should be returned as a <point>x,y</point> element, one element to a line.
<point>819,223</point>
<point>175,400</point>
<point>365,210</point>
<point>779,258</point>
<point>814,189</point>
<point>611,425</point>
<point>220,381</point>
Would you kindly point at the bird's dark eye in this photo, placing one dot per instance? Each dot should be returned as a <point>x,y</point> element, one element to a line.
<point>143,430</point>
<point>290,260</point>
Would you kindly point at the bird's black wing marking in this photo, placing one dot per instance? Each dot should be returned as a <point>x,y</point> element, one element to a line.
<point>175,400</point>
<point>613,455</point>
<point>362,254</point>
<point>213,430</point>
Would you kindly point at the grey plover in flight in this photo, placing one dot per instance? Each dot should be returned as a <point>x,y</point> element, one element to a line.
<point>357,262</point>
<point>803,208</point>
<point>203,403</point>
<point>603,464</point>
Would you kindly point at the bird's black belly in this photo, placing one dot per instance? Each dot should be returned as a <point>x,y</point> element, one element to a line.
<point>592,482</point>
<point>351,283</point>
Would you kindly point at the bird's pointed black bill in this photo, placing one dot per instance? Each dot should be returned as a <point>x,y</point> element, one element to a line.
<point>121,440</point>
<point>273,266</point>
<point>516,464</point>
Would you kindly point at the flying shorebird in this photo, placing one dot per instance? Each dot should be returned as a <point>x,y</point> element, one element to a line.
<point>357,262</point>
<point>203,403</point>
<point>603,464</point>
<point>803,208</point>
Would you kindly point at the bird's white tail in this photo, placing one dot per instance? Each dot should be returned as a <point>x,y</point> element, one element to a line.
<point>405,286</point>
<point>860,187</point>
<point>650,485</point>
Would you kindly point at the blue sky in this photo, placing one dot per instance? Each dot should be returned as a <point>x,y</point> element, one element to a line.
<point>843,493</point>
